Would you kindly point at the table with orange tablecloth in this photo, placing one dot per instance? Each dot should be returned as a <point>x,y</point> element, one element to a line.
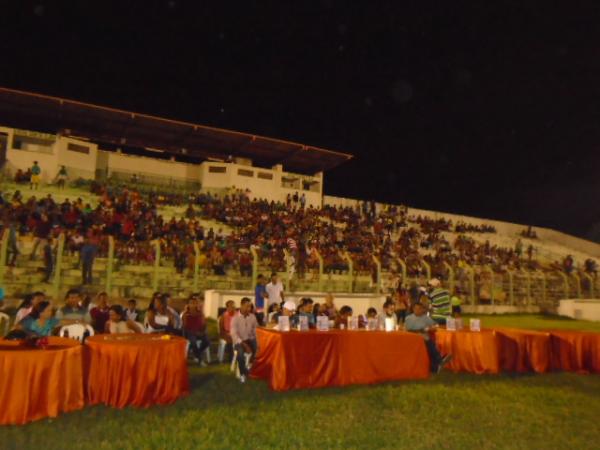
<point>523,350</point>
<point>36,383</point>
<point>472,351</point>
<point>312,359</point>
<point>135,369</point>
<point>575,351</point>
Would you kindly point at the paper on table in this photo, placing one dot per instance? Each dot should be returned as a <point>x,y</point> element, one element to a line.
<point>322,323</point>
<point>283,323</point>
<point>450,324</point>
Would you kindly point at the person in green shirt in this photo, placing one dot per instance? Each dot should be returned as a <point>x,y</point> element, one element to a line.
<point>440,302</point>
<point>456,301</point>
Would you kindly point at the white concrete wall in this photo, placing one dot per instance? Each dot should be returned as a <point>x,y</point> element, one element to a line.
<point>260,188</point>
<point>143,165</point>
<point>583,309</point>
<point>215,299</point>
<point>79,165</point>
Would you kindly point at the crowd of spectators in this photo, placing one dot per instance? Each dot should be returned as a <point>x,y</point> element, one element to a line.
<point>272,229</point>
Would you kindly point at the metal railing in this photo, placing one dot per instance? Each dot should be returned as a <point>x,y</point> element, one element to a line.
<point>478,284</point>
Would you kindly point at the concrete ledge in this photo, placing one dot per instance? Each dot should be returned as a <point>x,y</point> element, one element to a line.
<point>581,309</point>
<point>500,309</point>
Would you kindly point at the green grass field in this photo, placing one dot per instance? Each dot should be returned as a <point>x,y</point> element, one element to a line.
<point>458,411</point>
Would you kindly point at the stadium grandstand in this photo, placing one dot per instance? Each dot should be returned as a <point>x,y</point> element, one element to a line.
<point>181,207</point>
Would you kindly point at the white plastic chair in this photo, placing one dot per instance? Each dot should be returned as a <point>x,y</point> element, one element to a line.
<point>76,331</point>
<point>234,364</point>
<point>4,323</point>
<point>206,352</point>
<point>222,343</point>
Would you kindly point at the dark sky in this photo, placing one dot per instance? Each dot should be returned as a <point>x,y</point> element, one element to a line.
<point>487,108</point>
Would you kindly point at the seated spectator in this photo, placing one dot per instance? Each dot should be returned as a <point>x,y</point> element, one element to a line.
<point>288,309</point>
<point>177,319</point>
<point>225,322</point>
<point>28,304</point>
<point>389,312</point>
<point>131,313</point>
<point>243,336</point>
<point>159,318</point>
<point>402,303</point>
<point>118,323</point>
<point>100,312</point>
<point>245,263</point>
<point>305,310</point>
<point>330,306</point>
<point>419,322</point>
<point>342,317</point>
<point>273,312</point>
<point>73,312</point>
<point>320,309</point>
<point>194,326</point>
<point>40,322</point>
<point>371,313</point>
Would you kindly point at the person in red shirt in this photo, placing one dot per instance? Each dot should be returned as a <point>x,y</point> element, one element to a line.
<point>225,321</point>
<point>100,313</point>
<point>194,326</point>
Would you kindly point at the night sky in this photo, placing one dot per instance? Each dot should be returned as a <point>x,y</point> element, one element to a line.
<point>483,108</point>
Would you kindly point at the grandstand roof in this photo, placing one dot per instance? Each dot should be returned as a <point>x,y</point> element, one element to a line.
<point>101,124</point>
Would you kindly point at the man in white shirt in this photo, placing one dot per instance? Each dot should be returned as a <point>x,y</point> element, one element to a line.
<point>243,336</point>
<point>274,291</point>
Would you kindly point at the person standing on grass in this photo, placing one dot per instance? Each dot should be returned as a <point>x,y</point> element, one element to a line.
<point>36,173</point>
<point>243,336</point>
<point>441,308</point>
<point>274,290</point>
<point>419,322</point>
<point>260,292</point>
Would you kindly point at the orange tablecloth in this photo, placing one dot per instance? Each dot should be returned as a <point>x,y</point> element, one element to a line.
<point>37,383</point>
<point>472,351</point>
<point>576,351</point>
<point>311,359</point>
<point>523,350</point>
<point>135,369</point>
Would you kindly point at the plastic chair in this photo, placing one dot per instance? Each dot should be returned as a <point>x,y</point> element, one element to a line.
<point>234,364</point>
<point>222,344</point>
<point>4,324</point>
<point>76,331</point>
<point>206,352</point>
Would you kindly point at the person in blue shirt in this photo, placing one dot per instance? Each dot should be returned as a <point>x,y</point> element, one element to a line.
<point>305,309</point>
<point>419,322</point>
<point>40,322</point>
<point>259,298</point>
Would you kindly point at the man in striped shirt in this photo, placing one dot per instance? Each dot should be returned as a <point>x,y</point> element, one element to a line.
<point>439,298</point>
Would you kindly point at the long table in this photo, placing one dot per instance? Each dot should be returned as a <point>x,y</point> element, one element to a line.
<point>136,369</point>
<point>312,359</point>
<point>36,383</point>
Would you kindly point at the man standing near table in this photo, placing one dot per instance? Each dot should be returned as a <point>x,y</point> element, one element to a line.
<point>260,293</point>
<point>274,290</point>
<point>441,308</point>
<point>243,336</point>
<point>419,322</point>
